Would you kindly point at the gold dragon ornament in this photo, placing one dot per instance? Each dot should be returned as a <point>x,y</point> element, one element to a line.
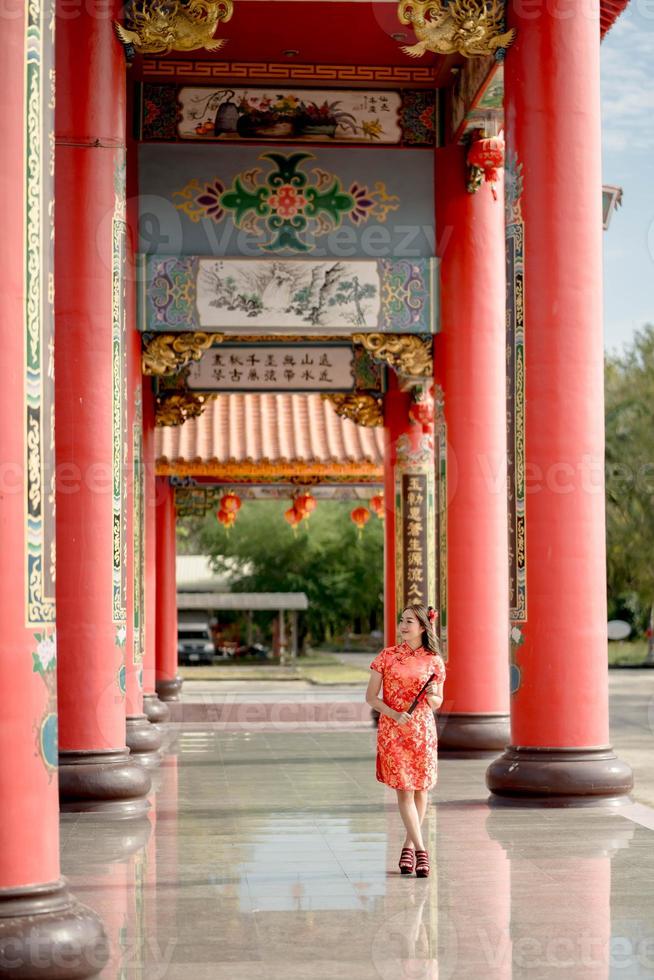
<point>467,27</point>
<point>161,26</point>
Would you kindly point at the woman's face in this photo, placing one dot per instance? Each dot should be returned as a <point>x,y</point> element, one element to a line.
<point>410,628</point>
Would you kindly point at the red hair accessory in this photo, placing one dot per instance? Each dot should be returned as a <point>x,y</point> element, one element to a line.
<point>431,613</point>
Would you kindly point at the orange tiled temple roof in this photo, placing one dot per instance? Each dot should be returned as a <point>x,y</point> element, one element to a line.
<point>271,436</point>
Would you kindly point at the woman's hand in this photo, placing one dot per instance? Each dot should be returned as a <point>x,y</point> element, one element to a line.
<point>434,696</point>
<point>402,717</point>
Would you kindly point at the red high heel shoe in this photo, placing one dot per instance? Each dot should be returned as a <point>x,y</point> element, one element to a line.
<point>407,860</point>
<point>422,864</point>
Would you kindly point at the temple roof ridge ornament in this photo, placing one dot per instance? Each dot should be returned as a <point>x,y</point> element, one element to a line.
<point>467,27</point>
<point>179,406</point>
<point>363,409</point>
<point>166,353</point>
<point>162,26</point>
<point>409,355</point>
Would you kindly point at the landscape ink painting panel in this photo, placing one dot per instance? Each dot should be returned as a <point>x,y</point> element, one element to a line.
<point>331,294</point>
<point>287,295</point>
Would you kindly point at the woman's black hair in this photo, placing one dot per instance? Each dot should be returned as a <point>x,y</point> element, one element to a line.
<point>429,639</point>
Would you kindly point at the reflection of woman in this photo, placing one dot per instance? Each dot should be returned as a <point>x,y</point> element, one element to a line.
<point>406,743</point>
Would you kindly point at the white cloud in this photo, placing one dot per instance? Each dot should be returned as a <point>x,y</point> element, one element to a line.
<point>627,86</point>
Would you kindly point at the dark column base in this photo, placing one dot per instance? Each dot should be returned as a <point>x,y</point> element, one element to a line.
<point>169,690</point>
<point>559,777</point>
<point>45,933</point>
<point>106,783</point>
<point>143,740</point>
<point>155,710</point>
<point>467,735</point>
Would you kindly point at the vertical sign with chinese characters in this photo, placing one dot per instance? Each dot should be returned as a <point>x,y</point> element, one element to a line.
<point>415,538</point>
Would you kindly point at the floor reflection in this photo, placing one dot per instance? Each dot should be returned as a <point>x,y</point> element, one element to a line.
<point>275,854</point>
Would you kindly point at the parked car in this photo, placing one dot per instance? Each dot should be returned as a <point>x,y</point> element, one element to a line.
<point>194,644</point>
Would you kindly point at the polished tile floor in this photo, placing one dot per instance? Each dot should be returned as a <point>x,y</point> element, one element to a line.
<point>272,855</point>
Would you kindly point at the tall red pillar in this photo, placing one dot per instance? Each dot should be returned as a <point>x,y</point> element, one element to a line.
<point>560,750</point>
<point>469,362</point>
<point>168,681</point>
<point>41,926</point>
<point>155,710</point>
<point>409,572</point>
<point>96,773</point>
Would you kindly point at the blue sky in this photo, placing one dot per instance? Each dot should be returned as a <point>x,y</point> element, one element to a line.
<point>627,63</point>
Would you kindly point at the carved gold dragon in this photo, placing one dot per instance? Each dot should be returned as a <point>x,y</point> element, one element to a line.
<point>161,26</point>
<point>467,27</point>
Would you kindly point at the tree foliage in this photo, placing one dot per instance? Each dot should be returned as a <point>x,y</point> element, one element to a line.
<point>629,385</point>
<point>340,571</point>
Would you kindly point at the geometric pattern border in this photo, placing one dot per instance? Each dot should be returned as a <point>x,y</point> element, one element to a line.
<point>279,71</point>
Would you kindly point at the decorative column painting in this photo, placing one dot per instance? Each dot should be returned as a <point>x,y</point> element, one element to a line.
<point>138,499</point>
<point>119,413</point>
<point>440,515</point>
<point>202,113</point>
<point>39,324</point>
<point>515,408</point>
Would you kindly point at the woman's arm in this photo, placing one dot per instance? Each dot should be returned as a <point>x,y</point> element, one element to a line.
<point>373,699</point>
<point>434,694</point>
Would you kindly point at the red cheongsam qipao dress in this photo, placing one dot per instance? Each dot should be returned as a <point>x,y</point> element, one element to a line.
<point>407,754</point>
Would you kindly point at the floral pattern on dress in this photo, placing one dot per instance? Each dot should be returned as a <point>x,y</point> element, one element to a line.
<point>407,754</point>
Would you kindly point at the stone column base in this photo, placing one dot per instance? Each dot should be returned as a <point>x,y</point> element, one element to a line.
<point>470,735</point>
<point>155,710</point>
<point>107,783</point>
<point>169,689</point>
<point>559,777</point>
<point>45,933</point>
<point>143,740</point>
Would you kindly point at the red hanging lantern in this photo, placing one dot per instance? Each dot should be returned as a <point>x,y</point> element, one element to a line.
<point>360,516</point>
<point>304,504</point>
<point>231,502</point>
<point>226,517</point>
<point>292,517</point>
<point>485,157</point>
<point>377,505</point>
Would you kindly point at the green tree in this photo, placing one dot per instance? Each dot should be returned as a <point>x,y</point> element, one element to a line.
<point>629,386</point>
<point>340,571</point>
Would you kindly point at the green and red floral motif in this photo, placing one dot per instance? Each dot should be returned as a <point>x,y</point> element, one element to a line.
<point>286,205</point>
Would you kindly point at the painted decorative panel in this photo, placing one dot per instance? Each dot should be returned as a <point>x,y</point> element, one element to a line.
<point>242,200</point>
<point>177,112</point>
<point>273,295</point>
<point>38,240</point>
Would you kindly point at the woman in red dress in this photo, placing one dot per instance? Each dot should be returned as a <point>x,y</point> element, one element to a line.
<point>406,743</point>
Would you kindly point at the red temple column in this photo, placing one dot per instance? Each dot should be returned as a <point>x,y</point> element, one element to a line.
<point>168,681</point>
<point>469,361</point>
<point>42,928</point>
<point>156,710</point>
<point>96,773</point>
<point>143,740</point>
<point>409,500</point>
<point>559,748</point>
